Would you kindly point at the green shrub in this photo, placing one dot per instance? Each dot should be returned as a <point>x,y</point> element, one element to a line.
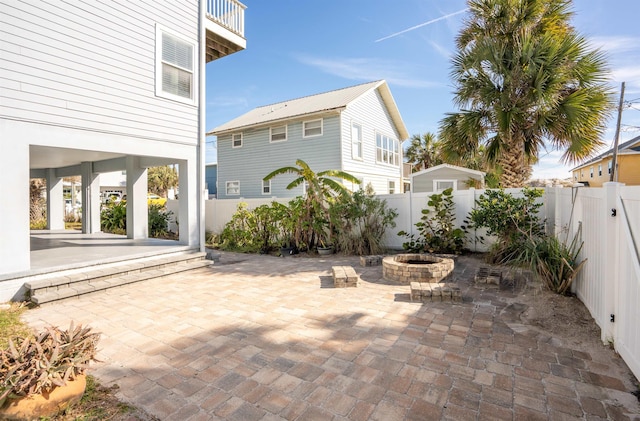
<point>360,222</point>
<point>507,217</point>
<point>239,234</point>
<point>522,240</point>
<point>113,218</point>
<point>159,218</point>
<point>437,232</point>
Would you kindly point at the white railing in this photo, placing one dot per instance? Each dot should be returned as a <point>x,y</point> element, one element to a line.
<point>228,13</point>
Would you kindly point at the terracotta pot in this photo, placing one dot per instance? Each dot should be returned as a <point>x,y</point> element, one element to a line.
<point>46,404</point>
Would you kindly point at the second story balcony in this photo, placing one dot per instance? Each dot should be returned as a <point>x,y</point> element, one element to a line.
<point>225,28</point>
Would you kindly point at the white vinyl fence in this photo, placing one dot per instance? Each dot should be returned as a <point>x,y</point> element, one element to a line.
<point>606,220</point>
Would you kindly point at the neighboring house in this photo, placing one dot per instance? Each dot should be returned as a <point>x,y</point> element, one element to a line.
<point>91,87</point>
<point>597,171</point>
<point>444,176</point>
<point>356,129</point>
<point>211,179</point>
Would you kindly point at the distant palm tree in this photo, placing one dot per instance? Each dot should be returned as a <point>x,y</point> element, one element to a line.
<point>524,77</point>
<point>423,151</point>
<point>161,179</point>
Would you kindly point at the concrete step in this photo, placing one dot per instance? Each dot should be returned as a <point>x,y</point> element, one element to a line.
<point>61,286</point>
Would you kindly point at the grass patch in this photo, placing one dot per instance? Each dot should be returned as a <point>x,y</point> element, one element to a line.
<point>73,226</point>
<point>10,323</point>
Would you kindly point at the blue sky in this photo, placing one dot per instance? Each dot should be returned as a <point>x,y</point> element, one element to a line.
<point>299,48</point>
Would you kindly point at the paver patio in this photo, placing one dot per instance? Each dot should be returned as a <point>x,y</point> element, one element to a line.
<point>261,338</point>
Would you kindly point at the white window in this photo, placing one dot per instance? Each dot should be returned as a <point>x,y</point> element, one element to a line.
<point>236,140</point>
<point>387,150</point>
<point>233,188</point>
<point>356,141</point>
<point>392,187</point>
<point>174,66</point>
<point>591,172</point>
<point>442,185</point>
<point>599,170</point>
<point>266,187</point>
<point>609,166</point>
<point>312,128</point>
<point>278,133</point>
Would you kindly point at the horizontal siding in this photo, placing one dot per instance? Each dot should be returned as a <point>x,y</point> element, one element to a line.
<point>423,183</point>
<point>369,111</point>
<point>91,65</point>
<point>629,169</point>
<point>257,158</point>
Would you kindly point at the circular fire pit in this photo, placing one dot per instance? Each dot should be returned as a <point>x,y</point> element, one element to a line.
<point>407,268</point>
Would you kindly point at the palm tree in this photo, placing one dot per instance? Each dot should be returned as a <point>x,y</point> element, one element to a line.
<point>525,79</point>
<point>423,151</point>
<point>161,179</point>
<point>320,188</point>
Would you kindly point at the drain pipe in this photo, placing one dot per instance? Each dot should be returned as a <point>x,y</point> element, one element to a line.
<point>200,160</point>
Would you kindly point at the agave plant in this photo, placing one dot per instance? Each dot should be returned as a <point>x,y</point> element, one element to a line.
<point>36,364</point>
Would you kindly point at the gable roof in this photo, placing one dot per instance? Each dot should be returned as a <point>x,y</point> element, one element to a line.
<point>628,147</point>
<point>336,100</point>
<point>474,173</point>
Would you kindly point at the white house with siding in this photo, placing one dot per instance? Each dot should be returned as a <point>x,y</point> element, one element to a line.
<point>91,87</point>
<point>356,129</point>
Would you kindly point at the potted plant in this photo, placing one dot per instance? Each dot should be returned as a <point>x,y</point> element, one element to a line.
<point>43,374</point>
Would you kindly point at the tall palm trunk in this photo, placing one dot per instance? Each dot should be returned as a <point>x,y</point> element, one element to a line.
<point>514,165</point>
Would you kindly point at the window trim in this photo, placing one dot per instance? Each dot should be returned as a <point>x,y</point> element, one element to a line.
<point>226,190</point>
<point>389,189</point>
<point>359,143</point>
<point>304,130</point>
<point>160,30</point>
<point>599,170</point>
<point>591,172</point>
<point>443,180</point>
<point>263,186</point>
<point>233,140</point>
<point>395,150</point>
<point>286,133</point>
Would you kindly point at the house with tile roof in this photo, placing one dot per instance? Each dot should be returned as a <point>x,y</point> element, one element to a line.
<point>596,171</point>
<point>357,129</point>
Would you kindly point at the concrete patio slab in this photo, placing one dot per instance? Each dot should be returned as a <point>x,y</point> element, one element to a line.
<point>265,338</point>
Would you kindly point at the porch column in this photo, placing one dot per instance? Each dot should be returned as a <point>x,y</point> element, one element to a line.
<point>14,206</point>
<point>55,201</point>
<point>137,212</point>
<point>90,198</point>
<point>188,203</point>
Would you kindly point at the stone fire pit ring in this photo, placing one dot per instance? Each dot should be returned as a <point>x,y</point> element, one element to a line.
<point>413,267</point>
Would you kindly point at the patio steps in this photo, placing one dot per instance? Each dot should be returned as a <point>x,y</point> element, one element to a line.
<point>74,283</point>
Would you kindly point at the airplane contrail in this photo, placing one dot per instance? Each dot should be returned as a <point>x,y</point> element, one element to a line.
<point>423,24</point>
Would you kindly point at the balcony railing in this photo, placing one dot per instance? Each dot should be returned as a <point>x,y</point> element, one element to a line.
<point>228,13</point>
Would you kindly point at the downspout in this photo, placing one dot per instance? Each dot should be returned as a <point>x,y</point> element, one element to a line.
<point>201,122</point>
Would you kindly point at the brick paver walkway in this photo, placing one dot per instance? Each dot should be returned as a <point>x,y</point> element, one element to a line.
<point>266,338</point>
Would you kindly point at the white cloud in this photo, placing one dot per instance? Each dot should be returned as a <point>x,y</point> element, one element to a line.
<point>366,69</point>
<point>615,45</point>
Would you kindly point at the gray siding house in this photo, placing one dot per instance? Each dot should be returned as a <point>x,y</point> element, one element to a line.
<point>92,87</point>
<point>356,129</point>
<point>444,176</point>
